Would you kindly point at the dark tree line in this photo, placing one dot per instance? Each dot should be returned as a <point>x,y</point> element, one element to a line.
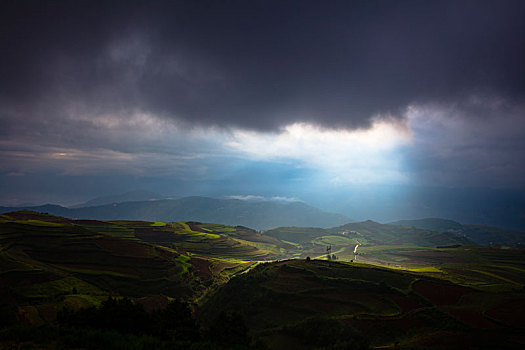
<point>173,323</point>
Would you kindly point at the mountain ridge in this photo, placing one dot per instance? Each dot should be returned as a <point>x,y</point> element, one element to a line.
<point>481,234</point>
<point>258,215</point>
<point>368,232</point>
<point>131,196</point>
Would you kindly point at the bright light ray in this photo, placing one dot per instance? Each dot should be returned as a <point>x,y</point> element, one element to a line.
<point>345,156</point>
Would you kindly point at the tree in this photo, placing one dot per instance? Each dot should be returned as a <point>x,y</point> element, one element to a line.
<point>175,322</point>
<point>229,329</point>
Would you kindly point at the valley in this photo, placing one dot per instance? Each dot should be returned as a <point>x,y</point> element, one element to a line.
<point>379,281</point>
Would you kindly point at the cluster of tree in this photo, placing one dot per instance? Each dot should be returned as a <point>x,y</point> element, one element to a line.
<point>173,323</point>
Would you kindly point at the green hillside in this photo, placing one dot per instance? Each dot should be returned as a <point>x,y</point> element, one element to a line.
<point>376,233</point>
<point>432,224</point>
<point>480,234</point>
<point>49,262</point>
<point>370,232</point>
<point>408,286</point>
<point>45,266</point>
<point>372,239</point>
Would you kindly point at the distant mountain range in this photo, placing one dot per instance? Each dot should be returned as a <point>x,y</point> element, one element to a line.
<point>260,215</point>
<point>481,234</point>
<point>292,219</point>
<point>133,196</point>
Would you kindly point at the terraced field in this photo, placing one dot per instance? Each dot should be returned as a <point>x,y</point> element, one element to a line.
<point>49,262</point>
<point>392,293</point>
<point>380,304</point>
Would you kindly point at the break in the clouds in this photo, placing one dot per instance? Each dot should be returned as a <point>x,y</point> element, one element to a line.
<point>338,92</point>
<point>356,156</point>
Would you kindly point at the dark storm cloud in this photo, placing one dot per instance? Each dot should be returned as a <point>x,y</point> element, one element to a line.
<point>134,91</point>
<point>478,143</point>
<point>255,64</point>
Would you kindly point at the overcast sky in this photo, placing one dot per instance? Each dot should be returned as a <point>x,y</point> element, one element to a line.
<point>258,98</point>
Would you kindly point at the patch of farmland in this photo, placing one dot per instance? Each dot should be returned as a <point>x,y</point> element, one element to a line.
<point>440,293</point>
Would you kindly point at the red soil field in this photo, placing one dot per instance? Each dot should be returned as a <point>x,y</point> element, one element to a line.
<point>196,228</point>
<point>425,255</point>
<point>510,313</point>
<point>471,317</point>
<point>166,254</point>
<point>202,267</point>
<point>440,294</point>
<point>109,268</point>
<point>125,248</point>
<point>405,303</point>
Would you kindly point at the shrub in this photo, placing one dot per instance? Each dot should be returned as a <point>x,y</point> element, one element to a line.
<point>229,330</point>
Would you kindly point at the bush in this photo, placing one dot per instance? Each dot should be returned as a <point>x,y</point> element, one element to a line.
<point>119,315</point>
<point>174,322</point>
<point>229,330</point>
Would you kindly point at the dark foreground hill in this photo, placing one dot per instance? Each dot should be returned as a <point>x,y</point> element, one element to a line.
<point>480,234</point>
<point>257,215</point>
<point>320,304</point>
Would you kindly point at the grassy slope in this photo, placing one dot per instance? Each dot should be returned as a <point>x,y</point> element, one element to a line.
<point>377,233</point>
<point>432,224</point>
<point>372,237</point>
<point>369,232</point>
<point>380,303</point>
<point>49,262</point>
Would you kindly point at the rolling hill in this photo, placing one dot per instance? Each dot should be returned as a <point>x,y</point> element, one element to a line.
<point>421,297</point>
<point>328,305</point>
<point>369,233</point>
<point>49,262</point>
<point>480,234</point>
<point>258,215</point>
